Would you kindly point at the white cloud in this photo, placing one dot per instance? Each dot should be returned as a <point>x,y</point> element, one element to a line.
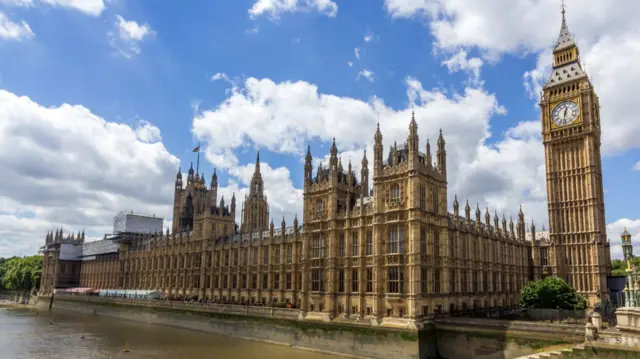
<point>89,7</point>
<point>356,52</point>
<point>265,114</point>
<point>10,30</point>
<point>275,8</point>
<point>614,231</point>
<point>350,63</point>
<point>636,167</point>
<point>67,167</point>
<point>18,3</point>
<point>128,35</point>
<point>368,37</point>
<point>147,132</point>
<point>461,62</point>
<point>608,37</point>
<point>368,75</point>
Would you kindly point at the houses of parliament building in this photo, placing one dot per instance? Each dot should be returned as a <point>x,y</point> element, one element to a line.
<point>392,252</point>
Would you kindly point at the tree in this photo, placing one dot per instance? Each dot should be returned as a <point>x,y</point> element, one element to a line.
<point>619,267</point>
<point>551,293</point>
<point>21,273</point>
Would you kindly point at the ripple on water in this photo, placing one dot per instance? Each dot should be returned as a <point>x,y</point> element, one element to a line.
<point>27,334</point>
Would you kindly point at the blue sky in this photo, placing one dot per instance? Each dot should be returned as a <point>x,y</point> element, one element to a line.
<point>288,75</point>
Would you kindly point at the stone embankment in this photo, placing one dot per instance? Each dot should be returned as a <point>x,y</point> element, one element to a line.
<point>440,338</point>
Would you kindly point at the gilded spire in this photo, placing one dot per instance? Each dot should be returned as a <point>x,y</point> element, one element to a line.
<point>565,39</point>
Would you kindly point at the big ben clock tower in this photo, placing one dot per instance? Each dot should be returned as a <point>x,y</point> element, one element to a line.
<point>570,115</point>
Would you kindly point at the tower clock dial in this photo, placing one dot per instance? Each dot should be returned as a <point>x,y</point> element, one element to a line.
<point>565,113</point>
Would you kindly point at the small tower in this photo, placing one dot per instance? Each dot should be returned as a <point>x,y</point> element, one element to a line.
<point>456,213</point>
<point>627,248</point>
<point>377,153</point>
<point>467,212</point>
<point>413,141</point>
<point>213,195</point>
<point>308,167</point>
<point>520,227</point>
<point>441,155</point>
<point>364,175</point>
<point>333,159</point>
<point>428,158</point>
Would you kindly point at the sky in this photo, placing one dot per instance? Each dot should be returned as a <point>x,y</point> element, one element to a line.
<point>103,101</point>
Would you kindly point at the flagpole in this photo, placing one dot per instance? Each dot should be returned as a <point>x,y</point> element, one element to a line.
<point>198,160</point>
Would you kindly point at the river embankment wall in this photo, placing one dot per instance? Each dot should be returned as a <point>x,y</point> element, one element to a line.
<point>445,338</point>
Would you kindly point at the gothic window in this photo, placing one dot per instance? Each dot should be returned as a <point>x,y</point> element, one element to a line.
<point>369,249</point>
<point>319,207</point>
<point>395,192</point>
<point>452,281</point>
<point>234,281</point>
<point>396,240</point>
<point>276,281</point>
<point>436,243</point>
<point>354,245</point>
<point>317,247</point>
<point>216,282</point>
<point>435,200</point>
<point>423,197</point>
<point>289,253</point>
<point>452,247</point>
<point>423,281</point>
<point>244,281</point>
<point>369,280</point>
<point>257,187</point>
<point>254,256</point>
<point>395,280</point>
<point>423,240</point>
<point>277,255</point>
<point>341,246</point>
<point>265,255</point>
<point>544,258</point>
<point>317,280</point>
<point>235,257</point>
<point>287,283</point>
<point>436,281</point>
<point>254,281</point>
<point>265,281</point>
<point>485,280</point>
<point>341,281</point>
<point>245,256</point>
<point>354,281</point>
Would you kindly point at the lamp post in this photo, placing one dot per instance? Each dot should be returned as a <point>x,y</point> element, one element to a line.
<point>631,289</point>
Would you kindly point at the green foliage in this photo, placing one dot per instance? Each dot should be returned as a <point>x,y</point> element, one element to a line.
<point>20,274</point>
<point>551,293</point>
<point>619,267</point>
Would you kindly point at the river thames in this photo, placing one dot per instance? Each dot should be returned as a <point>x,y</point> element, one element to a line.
<point>27,334</point>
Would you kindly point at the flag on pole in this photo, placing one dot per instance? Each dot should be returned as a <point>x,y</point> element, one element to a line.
<point>197,149</point>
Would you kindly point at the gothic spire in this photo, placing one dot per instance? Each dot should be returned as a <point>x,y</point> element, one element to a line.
<point>257,163</point>
<point>308,157</point>
<point>565,39</point>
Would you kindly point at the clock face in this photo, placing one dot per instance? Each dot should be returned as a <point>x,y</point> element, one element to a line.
<point>565,113</point>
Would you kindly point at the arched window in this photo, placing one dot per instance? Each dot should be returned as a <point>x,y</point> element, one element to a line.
<point>395,192</point>
<point>319,206</point>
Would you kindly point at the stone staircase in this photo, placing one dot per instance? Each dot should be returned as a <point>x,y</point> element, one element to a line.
<point>578,351</point>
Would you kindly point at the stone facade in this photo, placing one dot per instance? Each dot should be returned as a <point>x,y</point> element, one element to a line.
<point>390,254</point>
<point>577,248</point>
